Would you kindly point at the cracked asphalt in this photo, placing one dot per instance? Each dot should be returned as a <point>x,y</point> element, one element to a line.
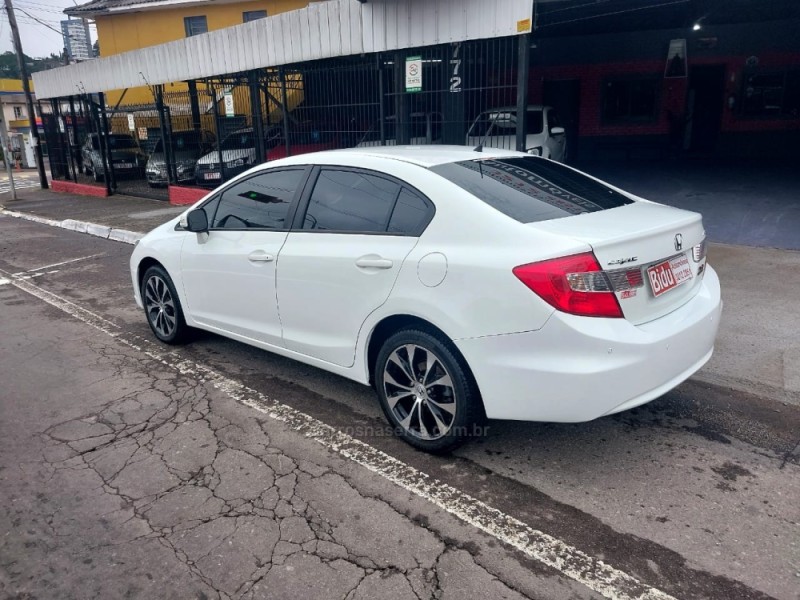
<point>125,473</point>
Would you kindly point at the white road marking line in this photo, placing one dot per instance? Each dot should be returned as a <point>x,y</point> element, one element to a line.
<point>575,564</point>
<point>64,262</point>
<point>21,276</point>
<point>4,281</point>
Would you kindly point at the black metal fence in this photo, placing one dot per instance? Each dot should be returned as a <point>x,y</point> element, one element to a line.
<point>203,133</point>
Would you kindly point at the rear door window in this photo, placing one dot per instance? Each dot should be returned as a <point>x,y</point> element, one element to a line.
<point>410,215</point>
<point>531,189</point>
<point>348,201</point>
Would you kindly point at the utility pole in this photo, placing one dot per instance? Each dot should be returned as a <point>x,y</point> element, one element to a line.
<point>26,86</point>
<point>6,145</point>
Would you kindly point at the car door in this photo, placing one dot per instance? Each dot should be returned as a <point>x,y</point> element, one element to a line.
<point>343,258</point>
<point>229,274</point>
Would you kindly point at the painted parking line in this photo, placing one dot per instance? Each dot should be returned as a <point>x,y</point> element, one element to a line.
<point>62,263</point>
<point>573,563</point>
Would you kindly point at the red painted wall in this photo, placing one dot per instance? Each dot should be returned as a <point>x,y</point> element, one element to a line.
<point>672,97</point>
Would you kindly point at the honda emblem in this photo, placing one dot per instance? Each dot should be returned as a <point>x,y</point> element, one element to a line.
<point>678,242</point>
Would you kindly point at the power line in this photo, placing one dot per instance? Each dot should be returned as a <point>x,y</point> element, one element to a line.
<point>24,12</point>
<point>40,9</point>
<point>614,13</point>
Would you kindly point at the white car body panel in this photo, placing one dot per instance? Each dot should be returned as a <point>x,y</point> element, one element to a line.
<point>530,361</point>
<point>213,266</point>
<point>325,324</point>
<point>577,369</point>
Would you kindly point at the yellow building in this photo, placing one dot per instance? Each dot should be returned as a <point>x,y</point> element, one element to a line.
<point>123,25</point>
<point>15,110</point>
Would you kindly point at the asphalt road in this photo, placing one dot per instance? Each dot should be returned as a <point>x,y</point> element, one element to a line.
<point>133,470</point>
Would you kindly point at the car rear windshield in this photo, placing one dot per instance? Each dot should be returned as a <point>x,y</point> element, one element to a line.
<point>531,189</point>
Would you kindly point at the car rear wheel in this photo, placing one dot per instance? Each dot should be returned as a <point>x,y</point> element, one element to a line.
<point>426,391</point>
<point>162,307</point>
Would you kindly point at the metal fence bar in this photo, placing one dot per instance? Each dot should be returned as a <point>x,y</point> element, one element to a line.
<point>205,132</point>
<point>111,181</point>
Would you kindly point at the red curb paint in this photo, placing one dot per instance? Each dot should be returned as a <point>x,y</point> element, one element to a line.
<point>183,196</point>
<point>78,188</point>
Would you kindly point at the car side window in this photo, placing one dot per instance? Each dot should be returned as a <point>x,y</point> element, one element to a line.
<point>410,214</point>
<point>260,202</point>
<point>350,201</point>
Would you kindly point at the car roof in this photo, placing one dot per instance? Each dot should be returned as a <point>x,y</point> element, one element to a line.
<point>424,156</point>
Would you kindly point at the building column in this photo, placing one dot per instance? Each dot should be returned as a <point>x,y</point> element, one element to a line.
<point>453,102</point>
<point>194,105</point>
<point>402,102</point>
<point>523,66</point>
<point>256,114</point>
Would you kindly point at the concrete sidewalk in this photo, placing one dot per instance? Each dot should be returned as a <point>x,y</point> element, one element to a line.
<point>758,349</point>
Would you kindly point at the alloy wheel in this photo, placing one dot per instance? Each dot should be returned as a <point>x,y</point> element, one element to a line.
<point>160,306</point>
<point>419,392</point>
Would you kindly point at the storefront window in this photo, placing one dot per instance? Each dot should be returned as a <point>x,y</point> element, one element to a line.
<point>772,94</point>
<point>630,99</point>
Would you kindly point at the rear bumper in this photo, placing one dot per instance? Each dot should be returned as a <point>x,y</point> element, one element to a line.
<point>577,368</point>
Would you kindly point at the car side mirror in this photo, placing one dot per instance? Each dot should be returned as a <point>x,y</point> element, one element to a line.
<point>556,130</point>
<point>197,221</point>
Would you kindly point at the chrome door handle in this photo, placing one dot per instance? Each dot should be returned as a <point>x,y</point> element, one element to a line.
<point>260,256</point>
<point>374,262</point>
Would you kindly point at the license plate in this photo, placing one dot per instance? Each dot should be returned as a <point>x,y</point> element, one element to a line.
<point>669,274</point>
<point>211,176</point>
<point>124,165</point>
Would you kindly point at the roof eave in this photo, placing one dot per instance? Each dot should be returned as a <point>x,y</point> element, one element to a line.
<point>83,14</point>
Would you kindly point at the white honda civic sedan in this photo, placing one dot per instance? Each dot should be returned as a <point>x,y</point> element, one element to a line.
<point>461,284</point>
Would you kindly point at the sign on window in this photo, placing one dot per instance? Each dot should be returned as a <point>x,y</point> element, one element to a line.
<point>229,108</point>
<point>414,74</point>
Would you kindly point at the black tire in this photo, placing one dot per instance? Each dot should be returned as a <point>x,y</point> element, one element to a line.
<point>95,175</point>
<point>162,307</point>
<point>414,407</point>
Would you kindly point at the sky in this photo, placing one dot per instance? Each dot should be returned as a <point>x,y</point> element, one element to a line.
<point>37,39</point>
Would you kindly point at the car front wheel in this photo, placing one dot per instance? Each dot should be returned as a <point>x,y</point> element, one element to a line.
<point>162,307</point>
<point>426,391</point>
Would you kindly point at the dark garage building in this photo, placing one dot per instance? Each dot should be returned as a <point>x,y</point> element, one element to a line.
<point>658,78</point>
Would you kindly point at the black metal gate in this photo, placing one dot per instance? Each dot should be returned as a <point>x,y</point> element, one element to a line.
<point>203,133</point>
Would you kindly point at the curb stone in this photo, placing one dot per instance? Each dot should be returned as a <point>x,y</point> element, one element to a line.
<point>102,231</point>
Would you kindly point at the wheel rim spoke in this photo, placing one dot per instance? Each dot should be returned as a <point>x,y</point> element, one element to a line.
<point>411,350</point>
<point>422,428</point>
<point>451,410</point>
<point>436,417</point>
<point>395,358</point>
<point>444,380</point>
<point>393,400</point>
<point>430,364</point>
<point>388,378</point>
<point>406,422</point>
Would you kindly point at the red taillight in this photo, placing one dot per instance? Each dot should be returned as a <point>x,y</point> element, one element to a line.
<point>573,284</point>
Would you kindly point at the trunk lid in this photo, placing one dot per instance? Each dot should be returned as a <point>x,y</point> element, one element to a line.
<point>636,237</point>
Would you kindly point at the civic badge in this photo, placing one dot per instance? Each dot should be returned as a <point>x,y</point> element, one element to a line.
<point>678,242</point>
